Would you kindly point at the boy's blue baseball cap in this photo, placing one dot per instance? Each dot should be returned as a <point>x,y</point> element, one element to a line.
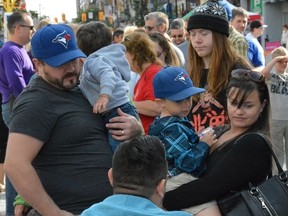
<point>173,83</point>
<point>55,44</point>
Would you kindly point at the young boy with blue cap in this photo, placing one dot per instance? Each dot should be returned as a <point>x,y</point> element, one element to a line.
<point>185,151</point>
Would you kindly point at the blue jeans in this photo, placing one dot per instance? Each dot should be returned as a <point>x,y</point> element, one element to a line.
<point>6,111</point>
<point>127,108</point>
<point>10,192</point>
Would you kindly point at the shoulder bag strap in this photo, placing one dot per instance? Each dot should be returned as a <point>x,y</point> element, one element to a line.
<point>279,167</point>
<point>267,141</point>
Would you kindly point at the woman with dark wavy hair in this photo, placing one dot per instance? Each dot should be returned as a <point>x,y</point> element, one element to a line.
<point>240,155</point>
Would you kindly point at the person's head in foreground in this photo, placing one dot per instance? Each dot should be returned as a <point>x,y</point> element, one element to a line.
<point>138,177</point>
<point>173,90</point>
<point>248,101</point>
<point>139,168</point>
<point>56,55</point>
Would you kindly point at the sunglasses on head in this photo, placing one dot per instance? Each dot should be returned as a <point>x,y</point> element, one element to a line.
<point>148,28</point>
<point>252,75</point>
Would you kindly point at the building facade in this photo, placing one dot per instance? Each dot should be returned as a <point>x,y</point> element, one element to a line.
<point>275,15</point>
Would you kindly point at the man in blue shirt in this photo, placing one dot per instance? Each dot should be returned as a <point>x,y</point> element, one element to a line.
<point>138,177</point>
<point>256,51</point>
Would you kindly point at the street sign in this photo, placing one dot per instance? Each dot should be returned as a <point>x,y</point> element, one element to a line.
<point>257,6</point>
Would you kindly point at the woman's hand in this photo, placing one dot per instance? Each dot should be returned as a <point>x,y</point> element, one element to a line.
<point>124,126</point>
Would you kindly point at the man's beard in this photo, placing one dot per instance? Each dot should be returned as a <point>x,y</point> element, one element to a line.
<point>60,83</point>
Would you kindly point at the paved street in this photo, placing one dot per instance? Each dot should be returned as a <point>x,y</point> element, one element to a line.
<point>2,204</point>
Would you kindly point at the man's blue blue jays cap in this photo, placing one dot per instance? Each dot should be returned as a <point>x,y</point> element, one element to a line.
<point>173,83</point>
<point>55,44</point>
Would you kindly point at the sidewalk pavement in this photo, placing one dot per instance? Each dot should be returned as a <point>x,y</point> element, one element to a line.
<point>2,204</point>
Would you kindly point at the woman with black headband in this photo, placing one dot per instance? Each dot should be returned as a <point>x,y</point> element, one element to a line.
<point>211,58</point>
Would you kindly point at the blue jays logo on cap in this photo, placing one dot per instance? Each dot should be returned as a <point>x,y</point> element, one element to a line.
<point>55,44</point>
<point>182,77</point>
<point>62,38</point>
<point>173,83</point>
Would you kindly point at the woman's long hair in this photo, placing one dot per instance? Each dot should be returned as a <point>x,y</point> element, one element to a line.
<point>169,53</point>
<point>223,59</point>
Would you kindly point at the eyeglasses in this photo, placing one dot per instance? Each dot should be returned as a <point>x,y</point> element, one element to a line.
<point>252,75</point>
<point>27,26</point>
<point>149,28</point>
<point>175,36</point>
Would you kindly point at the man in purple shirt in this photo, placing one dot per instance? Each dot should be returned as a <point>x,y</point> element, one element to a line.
<point>16,69</point>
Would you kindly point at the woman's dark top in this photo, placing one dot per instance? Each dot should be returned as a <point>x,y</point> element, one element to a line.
<point>210,111</point>
<point>229,168</point>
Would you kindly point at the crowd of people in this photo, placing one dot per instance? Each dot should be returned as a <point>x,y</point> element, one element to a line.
<point>154,120</point>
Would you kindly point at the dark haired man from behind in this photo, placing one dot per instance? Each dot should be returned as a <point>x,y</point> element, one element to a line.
<point>138,176</point>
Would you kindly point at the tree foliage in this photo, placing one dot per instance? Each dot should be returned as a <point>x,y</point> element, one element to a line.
<point>140,7</point>
<point>34,14</point>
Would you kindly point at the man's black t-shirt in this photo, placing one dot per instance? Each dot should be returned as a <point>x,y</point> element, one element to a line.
<point>75,158</point>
